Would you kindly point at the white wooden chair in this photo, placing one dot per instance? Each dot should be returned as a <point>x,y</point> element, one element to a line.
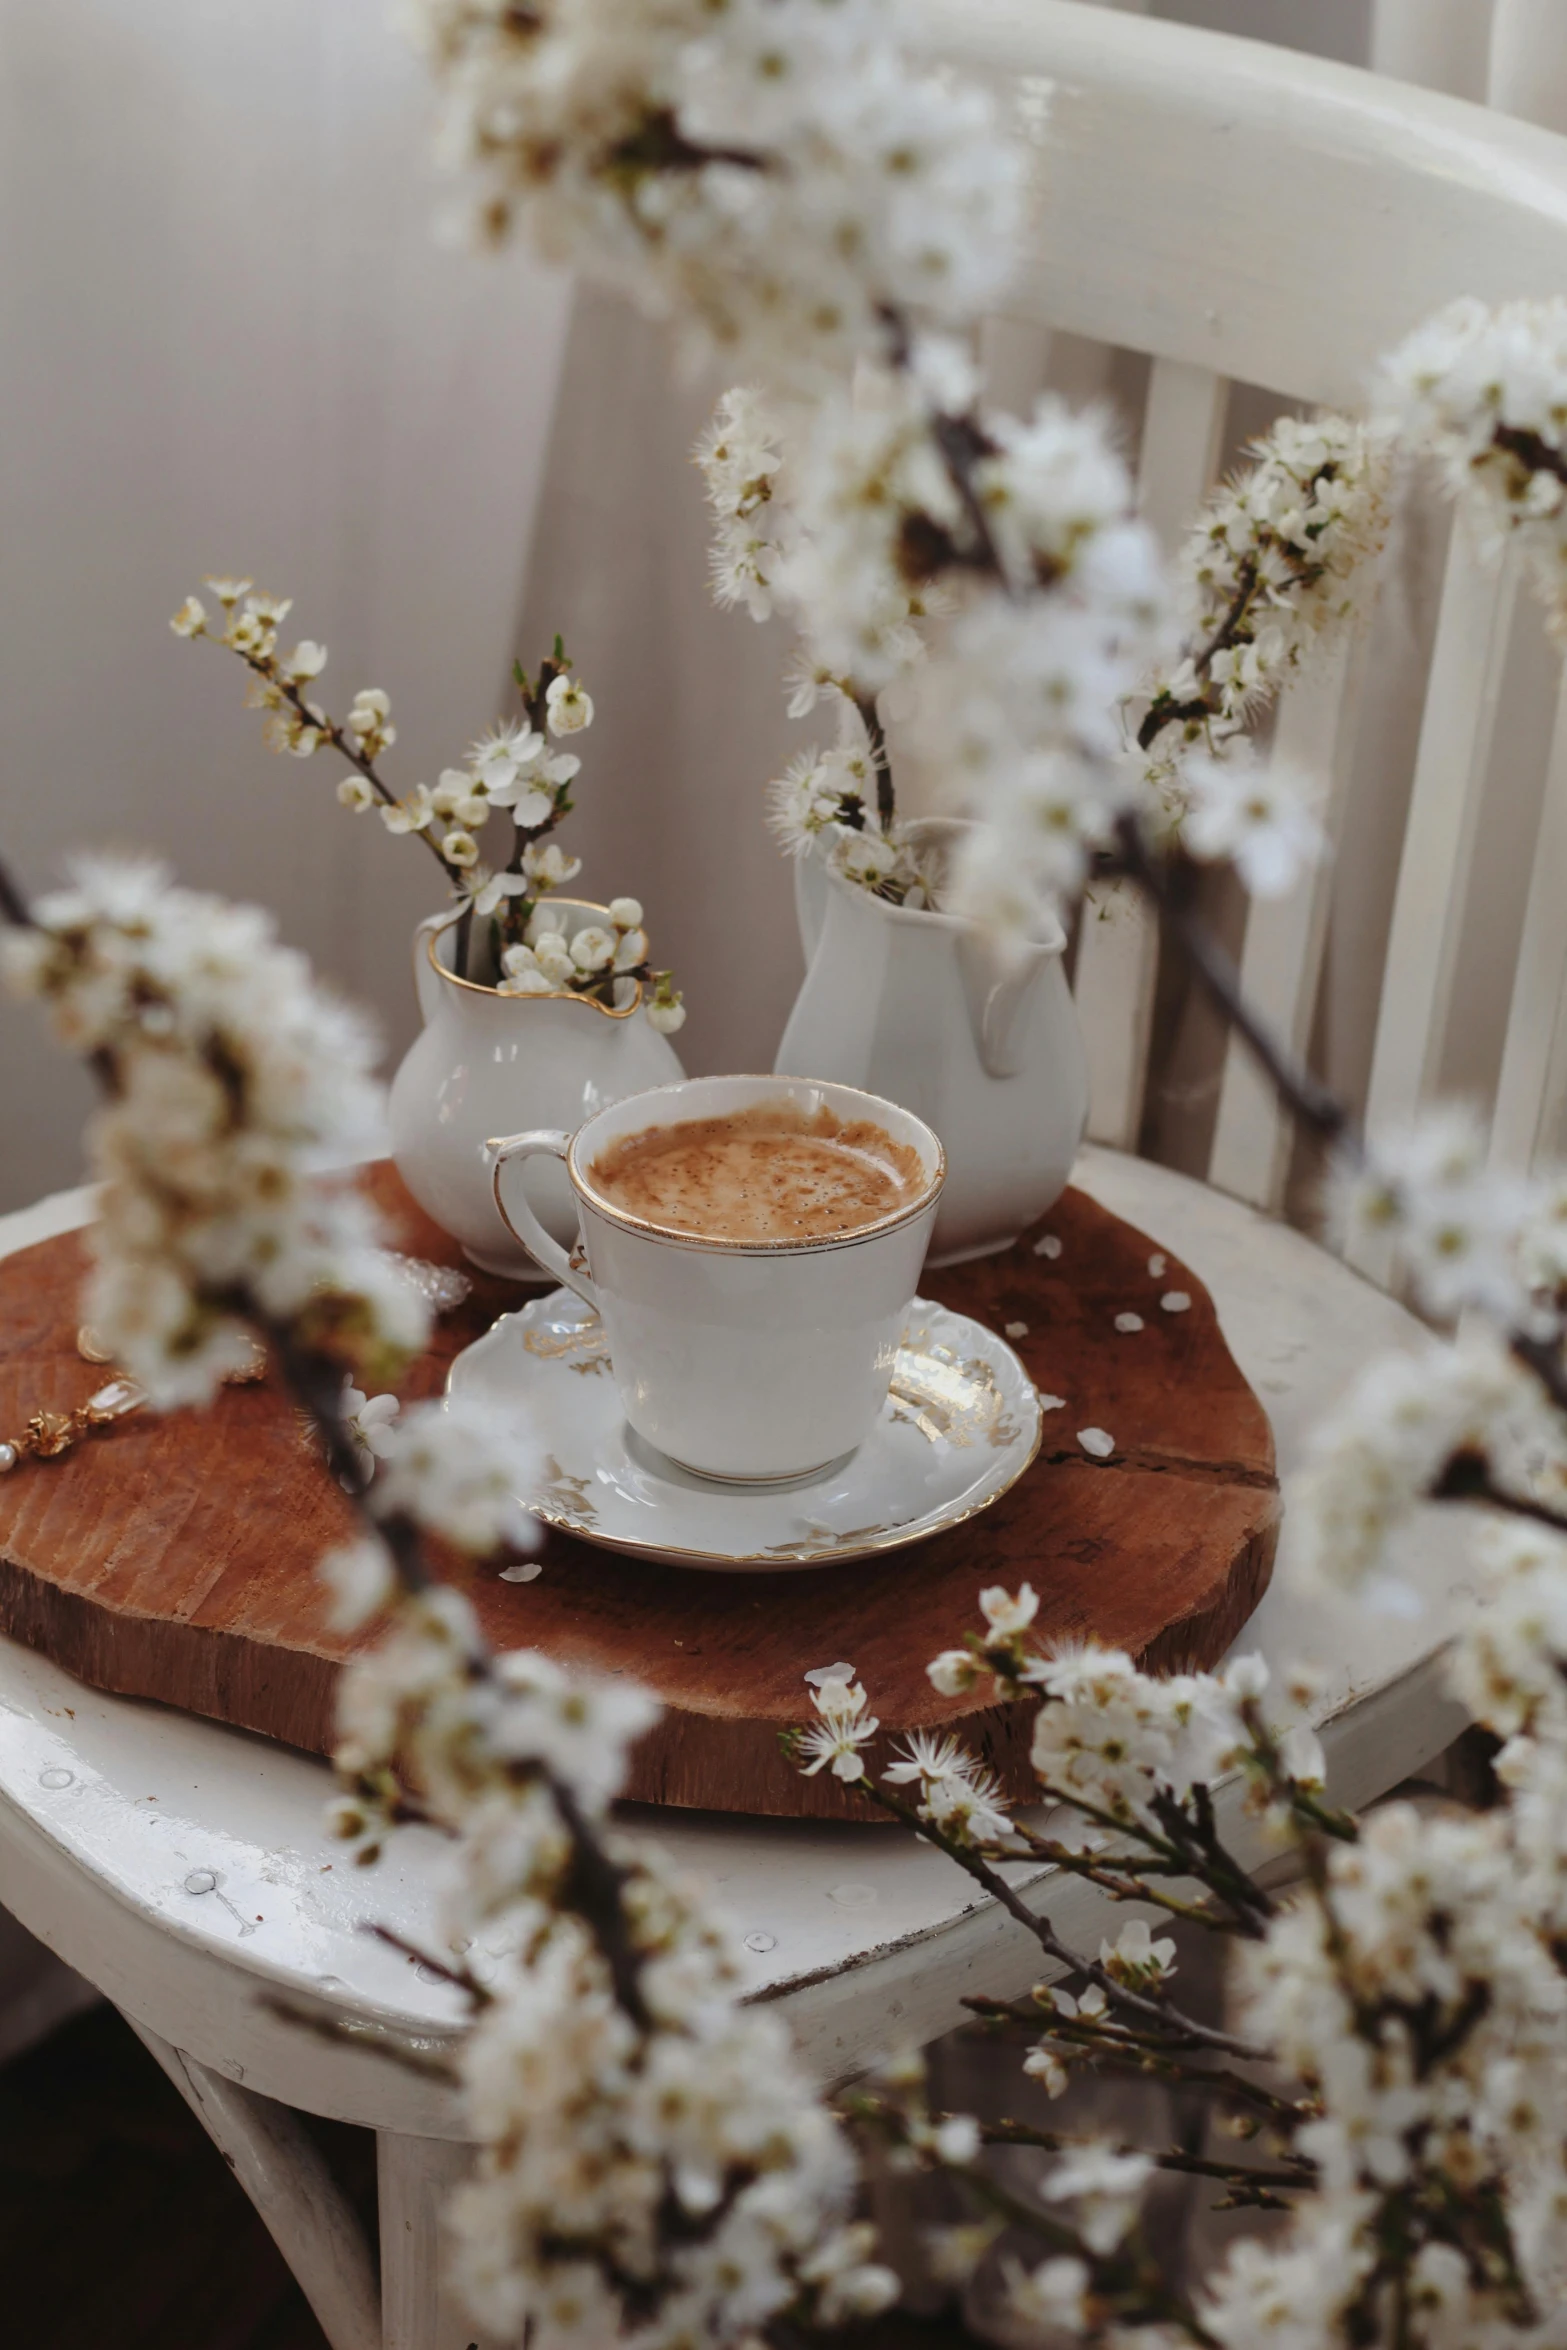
<point>1237,213</point>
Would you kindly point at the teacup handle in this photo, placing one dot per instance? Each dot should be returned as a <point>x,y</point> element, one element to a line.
<point>552,1143</point>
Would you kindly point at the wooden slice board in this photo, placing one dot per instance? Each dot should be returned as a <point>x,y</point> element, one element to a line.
<point>172,1557</point>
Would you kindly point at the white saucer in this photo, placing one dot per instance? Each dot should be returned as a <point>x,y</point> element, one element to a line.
<point>961,1424</point>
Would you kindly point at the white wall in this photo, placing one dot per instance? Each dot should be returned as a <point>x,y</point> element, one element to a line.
<point>229,339</point>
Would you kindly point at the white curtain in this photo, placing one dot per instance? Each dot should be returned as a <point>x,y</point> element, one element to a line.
<point>229,339</point>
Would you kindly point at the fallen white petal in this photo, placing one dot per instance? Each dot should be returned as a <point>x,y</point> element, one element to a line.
<point>1050,1403</point>
<point>1047,1246</point>
<point>1175,1301</point>
<point>1098,1441</point>
<point>1129,1322</point>
<point>1017,1329</point>
<point>523,1572</point>
<point>1156,1266</point>
<point>820,1674</point>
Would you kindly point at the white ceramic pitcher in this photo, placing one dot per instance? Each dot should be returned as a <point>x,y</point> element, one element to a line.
<point>487,1064</point>
<point>980,1041</point>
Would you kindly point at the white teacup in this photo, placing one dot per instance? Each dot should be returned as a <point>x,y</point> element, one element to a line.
<point>744,1360</point>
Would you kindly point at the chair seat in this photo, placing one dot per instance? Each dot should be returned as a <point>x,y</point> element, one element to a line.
<point>182,1866</point>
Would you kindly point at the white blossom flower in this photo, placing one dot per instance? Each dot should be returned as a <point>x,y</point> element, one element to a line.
<point>1051,2294</point>
<point>631,950</point>
<point>1046,2064</point>
<point>1257,815</point>
<point>593,947</point>
<point>1006,1615</point>
<point>500,756</point>
<point>359,1578</point>
<point>453,790</point>
<point>228,591</point>
<point>1105,2184</point>
<point>1135,1958</point>
<point>413,815</point>
<point>956,1792</point>
<point>369,721</point>
<point>842,1728</point>
<point>547,865</point>
<point>460,849</point>
<point>1480,390</point>
<point>955,1671</point>
<point>1456,1221</point>
<point>625,913</point>
<point>355,794</point>
<point>567,708</point>
<point>490,891</point>
<point>554,958</point>
<point>456,1467</point>
<point>307,660</point>
<point>368,1420</point>
<point>665,1008</point>
<point>191,618</point>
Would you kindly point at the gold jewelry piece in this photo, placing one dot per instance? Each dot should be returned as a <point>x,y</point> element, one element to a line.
<point>48,1434</point>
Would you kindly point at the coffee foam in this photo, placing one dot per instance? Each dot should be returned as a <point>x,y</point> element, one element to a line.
<point>766,1173</point>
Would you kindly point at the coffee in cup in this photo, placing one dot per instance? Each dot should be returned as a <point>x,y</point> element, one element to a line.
<point>772,1171</point>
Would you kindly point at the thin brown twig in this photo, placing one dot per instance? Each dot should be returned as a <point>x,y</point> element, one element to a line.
<point>1006,2132</point>
<point>1169,2020</point>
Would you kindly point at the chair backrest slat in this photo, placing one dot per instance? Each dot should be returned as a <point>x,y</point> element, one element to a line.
<point>1118,944</point>
<point>1281,963</point>
<point>1456,738</point>
<point>1530,1089</point>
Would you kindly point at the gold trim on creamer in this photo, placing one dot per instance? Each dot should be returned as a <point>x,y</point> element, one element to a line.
<point>670,1235</point>
<point>553,995</point>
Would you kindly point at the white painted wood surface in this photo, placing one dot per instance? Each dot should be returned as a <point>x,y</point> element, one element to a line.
<point>1531,1094</point>
<point>1528,61</point>
<point>1278,218</point>
<point>280,2167</point>
<point>1456,741</point>
<point>1439,44</point>
<point>414,2177</point>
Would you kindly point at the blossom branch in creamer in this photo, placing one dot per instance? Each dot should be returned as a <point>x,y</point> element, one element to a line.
<point>508,935</point>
